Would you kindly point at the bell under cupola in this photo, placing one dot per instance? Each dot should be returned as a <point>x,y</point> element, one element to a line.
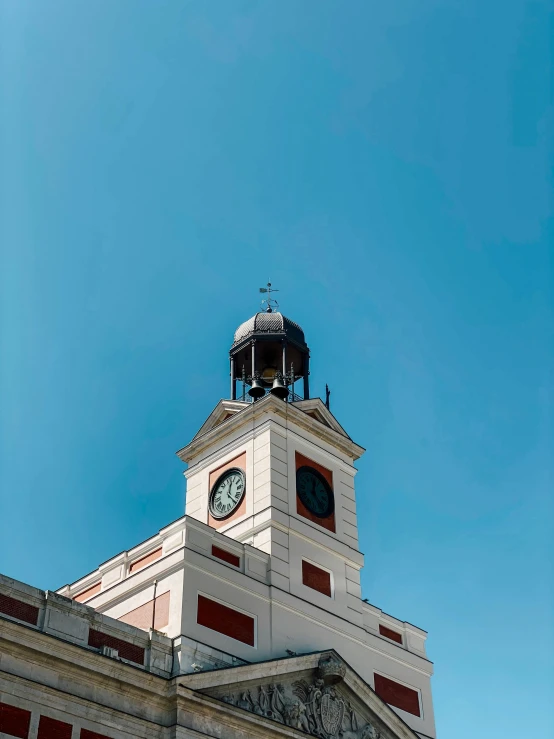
<point>269,355</point>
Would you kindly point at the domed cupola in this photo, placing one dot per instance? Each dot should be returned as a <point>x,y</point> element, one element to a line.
<point>270,322</point>
<point>269,353</point>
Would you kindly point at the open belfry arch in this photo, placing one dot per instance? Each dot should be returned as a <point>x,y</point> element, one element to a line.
<point>243,618</point>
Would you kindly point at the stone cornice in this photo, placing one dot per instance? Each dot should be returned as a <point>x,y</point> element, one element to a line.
<point>77,663</point>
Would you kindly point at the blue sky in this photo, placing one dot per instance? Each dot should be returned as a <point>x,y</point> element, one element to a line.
<point>387,165</point>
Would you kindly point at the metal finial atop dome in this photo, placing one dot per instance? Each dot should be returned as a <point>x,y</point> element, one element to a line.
<point>270,302</point>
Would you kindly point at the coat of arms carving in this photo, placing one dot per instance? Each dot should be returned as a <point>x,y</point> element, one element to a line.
<point>332,713</point>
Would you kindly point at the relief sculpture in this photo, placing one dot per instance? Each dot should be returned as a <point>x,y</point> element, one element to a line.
<point>315,708</point>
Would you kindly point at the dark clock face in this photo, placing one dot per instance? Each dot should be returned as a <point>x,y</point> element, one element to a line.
<point>315,492</point>
<point>227,493</point>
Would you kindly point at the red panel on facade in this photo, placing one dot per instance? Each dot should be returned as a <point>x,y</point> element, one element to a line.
<point>316,578</point>
<point>86,734</point>
<point>88,593</point>
<point>141,617</point>
<point>50,728</point>
<point>232,559</point>
<point>14,721</point>
<point>397,695</point>
<point>226,620</point>
<point>18,609</point>
<point>390,634</point>
<point>138,564</point>
<point>126,650</point>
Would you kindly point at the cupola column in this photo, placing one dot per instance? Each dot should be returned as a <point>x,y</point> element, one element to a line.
<point>307,377</point>
<point>233,379</point>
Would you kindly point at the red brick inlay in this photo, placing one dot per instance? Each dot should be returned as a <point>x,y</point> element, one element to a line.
<point>126,650</point>
<point>397,695</point>
<point>18,609</point>
<point>390,634</point>
<point>141,617</point>
<point>50,728</point>
<point>329,522</point>
<point>316,578</point>
<point>225,620</point>
<point>138,564</point>
<point>14,721</point>
<point>86,734</point>
<point>232,559</point>
<point>88,593</point>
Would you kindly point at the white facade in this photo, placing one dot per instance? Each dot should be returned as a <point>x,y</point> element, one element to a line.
<point>268,543</point>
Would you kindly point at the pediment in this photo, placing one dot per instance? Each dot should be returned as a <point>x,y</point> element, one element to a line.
<point>316,408</point>
<point>317,694</point>
<point>223,410</point>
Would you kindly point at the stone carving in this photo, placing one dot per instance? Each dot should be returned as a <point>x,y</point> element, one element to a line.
<point>367,732</point>
<point>315,708</point>
<point>331,670</point>
<point>332,712</point>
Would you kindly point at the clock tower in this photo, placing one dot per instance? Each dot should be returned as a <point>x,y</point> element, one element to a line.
<point>260,578</point>
<point>275,470</point>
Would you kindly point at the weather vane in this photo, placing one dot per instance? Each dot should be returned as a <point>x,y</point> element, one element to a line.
<point>269,301</point>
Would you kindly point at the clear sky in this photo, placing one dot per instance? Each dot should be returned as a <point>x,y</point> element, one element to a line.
<point>387,165</point>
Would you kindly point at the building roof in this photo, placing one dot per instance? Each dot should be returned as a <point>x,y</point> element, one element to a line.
<point>269,322</point>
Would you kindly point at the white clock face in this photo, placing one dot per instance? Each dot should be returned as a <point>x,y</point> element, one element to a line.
<point>227,493</point>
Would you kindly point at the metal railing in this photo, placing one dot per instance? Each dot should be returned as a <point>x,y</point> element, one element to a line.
<point>292,397</point>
